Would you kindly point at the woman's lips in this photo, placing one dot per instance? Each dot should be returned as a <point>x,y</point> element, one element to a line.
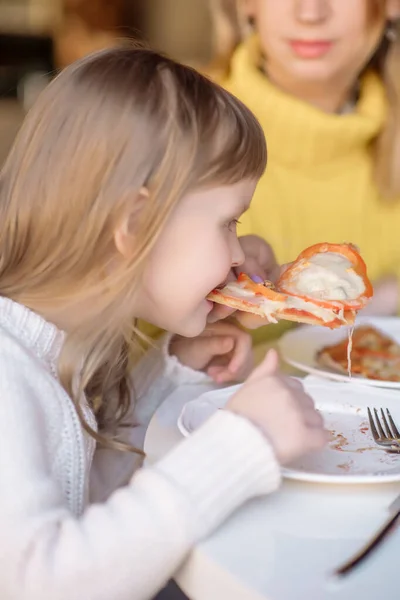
<point>310,48</point>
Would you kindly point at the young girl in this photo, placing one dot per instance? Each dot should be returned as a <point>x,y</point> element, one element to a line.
<point>323,79</point>
<point>118,201</point>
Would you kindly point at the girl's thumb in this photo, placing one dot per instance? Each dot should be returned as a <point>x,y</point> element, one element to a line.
<point>268,367</point>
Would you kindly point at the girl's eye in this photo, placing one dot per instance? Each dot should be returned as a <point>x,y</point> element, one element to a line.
<point>233,224</point>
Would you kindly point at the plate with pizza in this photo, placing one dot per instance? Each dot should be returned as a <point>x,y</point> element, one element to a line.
<point>368,354</point>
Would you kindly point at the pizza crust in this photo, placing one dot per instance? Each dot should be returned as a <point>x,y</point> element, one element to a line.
<point>282,312</point>
<point>236,303</point>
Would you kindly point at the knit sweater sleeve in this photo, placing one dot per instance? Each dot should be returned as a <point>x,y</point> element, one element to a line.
<point>128,546</point>
<point>154,378</point>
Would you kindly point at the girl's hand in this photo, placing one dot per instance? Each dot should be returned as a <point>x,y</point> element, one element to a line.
<point>260,264</point>
<point>279,406</point>
<point>223,351</point>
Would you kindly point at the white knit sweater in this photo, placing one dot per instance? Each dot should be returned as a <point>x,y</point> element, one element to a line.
<point>74,523</point>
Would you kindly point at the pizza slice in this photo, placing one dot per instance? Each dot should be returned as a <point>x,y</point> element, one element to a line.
<point>326,285</point>
<point>374,355</point>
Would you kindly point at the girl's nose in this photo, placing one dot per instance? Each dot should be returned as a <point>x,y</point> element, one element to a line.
<point>238,256</point>
<point>312,11</point>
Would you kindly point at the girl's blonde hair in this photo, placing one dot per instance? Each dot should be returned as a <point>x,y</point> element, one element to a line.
<point>106,127</point>
<point>230,27</point>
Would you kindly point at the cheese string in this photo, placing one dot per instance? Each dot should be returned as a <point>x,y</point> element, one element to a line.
<point>349,349</point>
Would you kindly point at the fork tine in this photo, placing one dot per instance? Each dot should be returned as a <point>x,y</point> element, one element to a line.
<point>389,433</point>
<point>372,425</point>
<point>382,434</point>
<point>394,428</point>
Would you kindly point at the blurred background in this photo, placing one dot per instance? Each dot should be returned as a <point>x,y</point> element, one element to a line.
<point>39,37</point>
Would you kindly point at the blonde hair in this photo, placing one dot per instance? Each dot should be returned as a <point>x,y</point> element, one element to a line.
<point>107,126</point>
<point>230,27</point>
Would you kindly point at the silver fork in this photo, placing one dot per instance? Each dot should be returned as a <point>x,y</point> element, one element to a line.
<point>386,435</point>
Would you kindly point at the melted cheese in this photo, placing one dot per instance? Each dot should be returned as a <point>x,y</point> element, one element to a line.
<point>327,276</point>
<point>349,349</point>
<point>237,290</point>
<point>270,307</point>
<point>326,314</point>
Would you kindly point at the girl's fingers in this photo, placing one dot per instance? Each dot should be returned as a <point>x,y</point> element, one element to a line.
<point>293,383</point>
<point>219,312</point>
<point>251,321</point>
<point>220,374</point>
<point>267,368</point>
<point>313,419</point>
<point>241,351</point>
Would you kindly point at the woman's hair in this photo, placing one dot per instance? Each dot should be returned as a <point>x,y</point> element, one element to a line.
<point>230,27</point>
<point>106,127</point>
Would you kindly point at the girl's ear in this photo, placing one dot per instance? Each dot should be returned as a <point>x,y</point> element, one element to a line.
<point>248,8</point>
<point>393,10</point>
<point>125,231</point>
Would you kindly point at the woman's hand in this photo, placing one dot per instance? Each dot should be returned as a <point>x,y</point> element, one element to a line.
<point>223,351</point>
<point>260,261</point>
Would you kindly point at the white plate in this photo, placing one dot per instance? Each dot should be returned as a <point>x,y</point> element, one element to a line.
<point>299,348</point>
<point>351,456</point>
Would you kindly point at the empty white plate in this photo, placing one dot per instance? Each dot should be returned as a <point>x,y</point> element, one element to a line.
<point>351,456</point>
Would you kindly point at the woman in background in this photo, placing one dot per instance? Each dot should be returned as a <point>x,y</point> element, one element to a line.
<point>323,79</point>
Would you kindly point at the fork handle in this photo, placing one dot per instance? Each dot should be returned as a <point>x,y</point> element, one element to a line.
<point>369,547</point>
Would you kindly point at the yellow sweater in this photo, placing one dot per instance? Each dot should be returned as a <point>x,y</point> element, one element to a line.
<point>319,183</point>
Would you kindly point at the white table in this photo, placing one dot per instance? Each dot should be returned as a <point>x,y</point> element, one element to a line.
<point>284,546</point>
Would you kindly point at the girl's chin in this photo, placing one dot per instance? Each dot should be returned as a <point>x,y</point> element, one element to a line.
<point>196,324</point>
